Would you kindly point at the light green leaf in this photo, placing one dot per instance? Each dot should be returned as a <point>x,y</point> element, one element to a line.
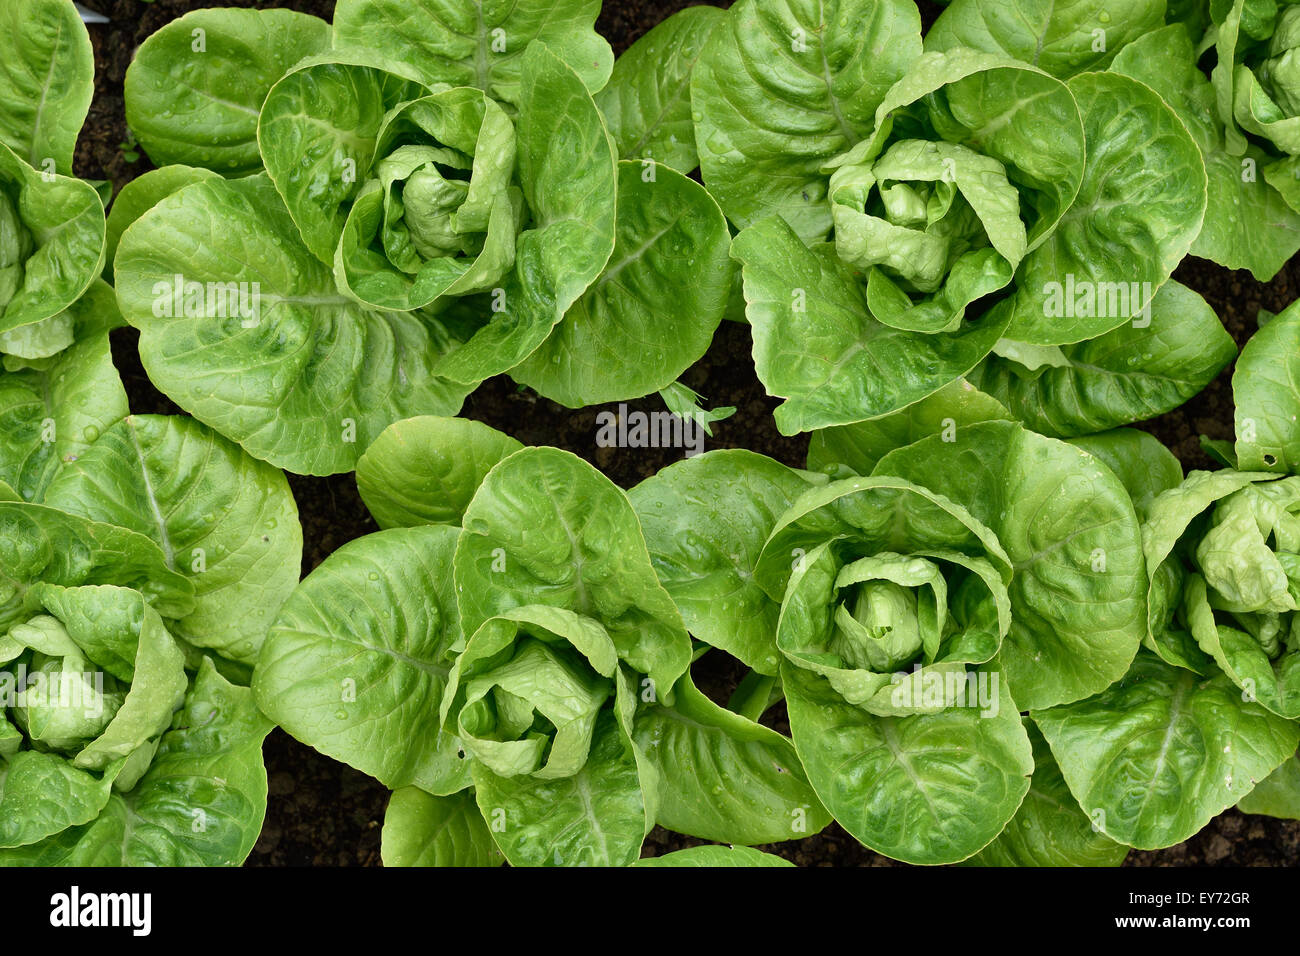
<point>596,817</point>
<point>1139,208</point>
<point>42,794</point>
<point>785,86</point>
<point>545,527</point>
<point>358,659</point>
<point>201,803</point>
<point>705,520</point>
<point>47,75</point>
<point>195,87</point>
<point>51,415</point>
<point>1278,794</point>
<point>478,44</point>
<point>425,470</point>
<point>723,777</point>
<point>1248,225</point>
<point>51,242</point>
<point>647,101</point>
<point>1049,829</point>
<point>1155,756</point>
<point>318,132</point>
<point>1267,397</point>
<point>651,314</point>
<point>1061,38</point>
<point>858,447</point>
<point>1143,368</point>
<point>222,518</point>
<point>929,788</point>
<point>719,856</point>
<point>143,193</point>
<point>40,544</point>
<point>423,830</point>
<point>298,374</point>
<point>816,346</point>
<point>1144,466</point>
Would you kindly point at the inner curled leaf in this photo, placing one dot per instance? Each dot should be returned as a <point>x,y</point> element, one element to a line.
<point>935,225</point>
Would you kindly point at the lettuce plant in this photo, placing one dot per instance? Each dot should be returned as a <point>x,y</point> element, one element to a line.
<point>51,225</point>
<point>420,207</point>
<point>912,610</point>
<point>505,658</point>
<point>928,209</point>
<point>1209,709</point>
<point>1257,85</point>
<point>1248,223</point>
<point>142,558</point>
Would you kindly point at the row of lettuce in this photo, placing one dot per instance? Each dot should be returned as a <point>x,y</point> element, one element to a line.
<point>1004,628</point>
<point>359,222</point>
<point>991,645</point>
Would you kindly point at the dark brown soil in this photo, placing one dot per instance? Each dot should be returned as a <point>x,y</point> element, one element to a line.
<point>324,813</point>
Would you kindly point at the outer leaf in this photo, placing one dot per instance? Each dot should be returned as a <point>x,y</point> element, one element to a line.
<point>423,830</point>
<point>425,470</point>
<point>785,86</point>
<point>547,528</point>
<point>1144,466</point>
<point>705,521</point>
<point>480,44</point>
<point>64,223</point>
<point>1143,368</point>
<point>723,777</point>
<point>312,378</point>
<point>858,447</point>
<point>1060,38</point>
<point>1162,751</point>
<point>930,788</point>
<point>47,545</point>
<point>1278,794</point>
<point>647,101</point>
<point>728,856</point>
<point>597,817</point>
<point>47,77</point>
<point>1248,225</point>
<point>42,794</point>
<point>195,87</point>
<point>143,193</point>
<point>51,415</point>
<point>1139,208</point>
<point>816,345</point>
<point>653,311</point>
<point>1267,397</point>
<point>1049,829</point>
<point>226,520</point>
<point>201,803</point>
<point>358,659</point>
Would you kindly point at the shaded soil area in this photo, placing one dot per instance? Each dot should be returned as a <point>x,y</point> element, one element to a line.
<point>324,813</point>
